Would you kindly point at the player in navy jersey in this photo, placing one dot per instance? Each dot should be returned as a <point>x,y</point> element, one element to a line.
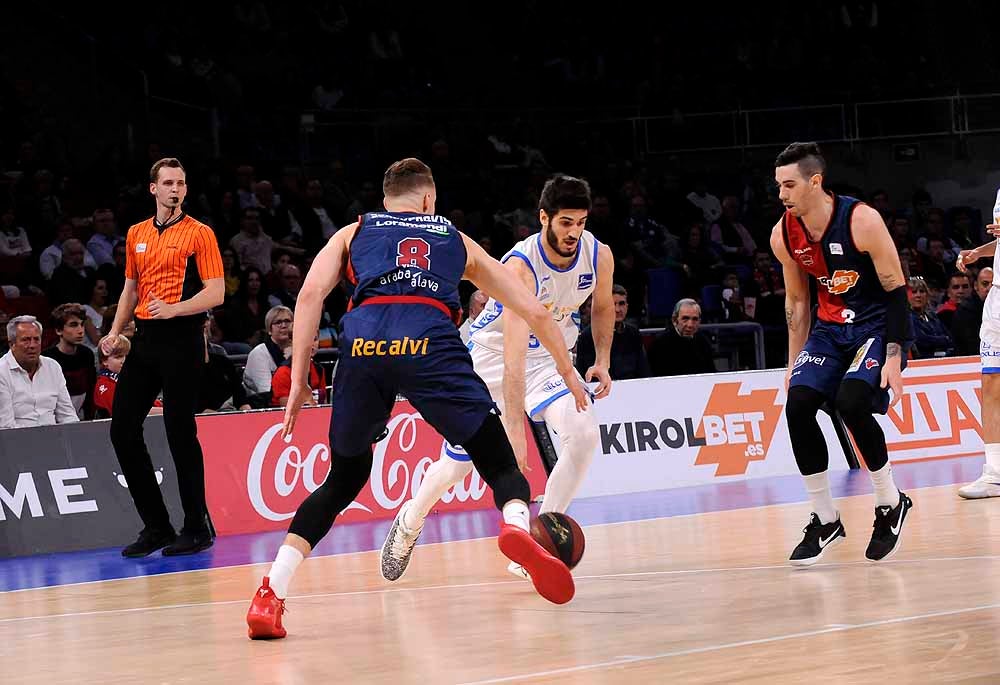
<point>400,335</point>
<point>853,355</point>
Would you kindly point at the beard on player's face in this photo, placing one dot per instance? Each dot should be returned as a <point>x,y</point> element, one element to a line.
<point>565,247</point>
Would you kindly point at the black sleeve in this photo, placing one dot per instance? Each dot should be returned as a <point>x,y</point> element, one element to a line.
<point>641,362</point>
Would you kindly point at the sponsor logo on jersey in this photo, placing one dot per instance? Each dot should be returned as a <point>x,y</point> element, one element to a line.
<point>389,348</point>
<point>871,363</point>
<point>440,230</point>
<point>806,358</point>
<point>586,280</point>
<point>802,254</point>
<point>836,248</point>
<point>841,281</point>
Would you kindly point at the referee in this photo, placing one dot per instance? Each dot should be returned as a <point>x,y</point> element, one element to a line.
<point>173,275</point>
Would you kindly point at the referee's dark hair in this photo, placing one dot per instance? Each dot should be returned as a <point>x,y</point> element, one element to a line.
<point>172,162</point>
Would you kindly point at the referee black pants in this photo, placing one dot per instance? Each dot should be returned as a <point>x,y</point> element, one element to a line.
<point>167,355</point>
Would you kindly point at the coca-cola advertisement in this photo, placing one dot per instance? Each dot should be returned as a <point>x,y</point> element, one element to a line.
<point>255,480</point>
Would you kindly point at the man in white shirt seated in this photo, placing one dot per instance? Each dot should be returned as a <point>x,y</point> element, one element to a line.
<point>264,359</point>
<point>52,255</point>
<point>32,387</point>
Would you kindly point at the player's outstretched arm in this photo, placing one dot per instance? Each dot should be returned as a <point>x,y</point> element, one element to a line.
<point>602,322</point>
<point>493,279</point>
<point>966,257</point>
<point>516,336</point>
<point>326,272</point>
<point>796,299</point>
<point>870,235</point>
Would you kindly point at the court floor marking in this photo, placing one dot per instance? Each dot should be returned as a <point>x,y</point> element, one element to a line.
<point>605,576</point>
<point>623,661</point>
<point>430,544</point>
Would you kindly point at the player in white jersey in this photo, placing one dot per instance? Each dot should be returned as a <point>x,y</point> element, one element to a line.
<point>988,485</point>
<point>563,265</point>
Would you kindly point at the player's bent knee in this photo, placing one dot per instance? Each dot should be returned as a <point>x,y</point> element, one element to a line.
<point>854,400</point>
<point>803,403</point>
<point>316,514</point>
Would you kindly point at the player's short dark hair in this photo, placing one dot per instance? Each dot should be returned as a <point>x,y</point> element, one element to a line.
<point>807,155</point>
<point>170,162</point>
<point>405,176</point>
<point>564,192</point>
<point>64,312</point>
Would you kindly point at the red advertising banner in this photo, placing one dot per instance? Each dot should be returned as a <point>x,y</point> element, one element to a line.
<point>255,481</point>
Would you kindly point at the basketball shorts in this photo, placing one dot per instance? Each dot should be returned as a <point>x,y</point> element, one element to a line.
<point>989,334</point>
<point>839,352</point>
<point>412,350</point>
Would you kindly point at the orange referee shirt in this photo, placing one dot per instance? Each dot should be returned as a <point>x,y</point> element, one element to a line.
<point>171,261</point>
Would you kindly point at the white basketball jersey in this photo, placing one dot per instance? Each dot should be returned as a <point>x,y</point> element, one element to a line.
<point>561,291</point>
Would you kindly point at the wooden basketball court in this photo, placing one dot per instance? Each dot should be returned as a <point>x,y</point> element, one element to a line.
<point>706,598</point>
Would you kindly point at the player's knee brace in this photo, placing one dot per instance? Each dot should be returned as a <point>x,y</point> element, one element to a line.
<point>808,444</point>
<point>493,457</point>
<point>316,514</point>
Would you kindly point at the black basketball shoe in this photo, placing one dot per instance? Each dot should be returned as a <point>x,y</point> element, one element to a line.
<point>888,528</point>
<point>818,538</point>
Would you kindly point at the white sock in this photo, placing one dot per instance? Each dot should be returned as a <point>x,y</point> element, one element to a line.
<point>818,487</point>
<point>886,492</point>
<point>440,476</point>
<point>515,512</point>
<point>993,455</point>
<point>283,568</point>
<point>578,438</point>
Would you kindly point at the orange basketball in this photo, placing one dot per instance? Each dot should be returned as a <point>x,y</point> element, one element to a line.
<point>560,535</point>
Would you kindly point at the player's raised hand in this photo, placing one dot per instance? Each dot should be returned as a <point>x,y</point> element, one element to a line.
<point>966,257</point>
<point>603,377</point>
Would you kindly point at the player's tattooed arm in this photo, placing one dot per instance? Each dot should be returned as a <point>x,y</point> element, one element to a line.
<point>890,280</point>
<point>892,350</point>
<point>790,318</point>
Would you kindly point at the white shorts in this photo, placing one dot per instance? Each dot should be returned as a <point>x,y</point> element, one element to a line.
<point>542,383</point>
<point>989,333</point>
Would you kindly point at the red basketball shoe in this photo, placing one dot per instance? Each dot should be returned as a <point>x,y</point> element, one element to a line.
<point>264,617</point>
<point>551,577</point>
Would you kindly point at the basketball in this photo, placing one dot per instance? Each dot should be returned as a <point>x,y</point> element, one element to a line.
<point>560,535</point>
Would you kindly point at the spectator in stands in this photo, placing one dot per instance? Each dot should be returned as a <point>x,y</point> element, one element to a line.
<point>734,306</point>
<point>709,205</point>
<point>681,348</point>
<point>959,288</point>
<point>102,244</point>
<point>931,338</point>
<point>628,355</point>
<point>313,221</point>
<point>72,278</point>
<point>114,273</point>
<point>477,302</point>
<point>32,387</point>
<point>281,382</point>
<point>651,242</point>
<point>902,232</point>
<point>290,283</point>
<point>231,269</point>
<point>730,237</point>
<point>274,217</point>
<point>95,309</point>
<point>963,230</point>
<point>107,378</point>
<point>4,343</point>
<point>880,202</point>
<point>253,246</point>
<point>244,319</point>
<point>699,259</point>
<point>52,255</point>
<point>911,262</point>
<point>13,238</point>
<point>937,269</point>
<point>76,359</point>
<point>768,288</point>
<point>264,359</point>
<point>221,385</point>
<point>969,316</point>
<point>934,228</point>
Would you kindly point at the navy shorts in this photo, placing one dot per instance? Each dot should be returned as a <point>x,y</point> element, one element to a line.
<point>413,350</point>
<point>839,352</point>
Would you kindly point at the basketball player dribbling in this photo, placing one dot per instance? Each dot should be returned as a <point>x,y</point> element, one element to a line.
<point>400,335</point>
<point>853,355</point>
<point>563,265</point>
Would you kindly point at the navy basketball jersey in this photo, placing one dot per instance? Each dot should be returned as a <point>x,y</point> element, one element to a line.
<point>849,289</point>
<point>418,257</point>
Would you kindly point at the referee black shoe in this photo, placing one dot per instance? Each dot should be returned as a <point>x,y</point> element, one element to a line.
<point>818,538</point>
<point>888,529</point>
<point>149,541</point>
<point>189,543</point>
